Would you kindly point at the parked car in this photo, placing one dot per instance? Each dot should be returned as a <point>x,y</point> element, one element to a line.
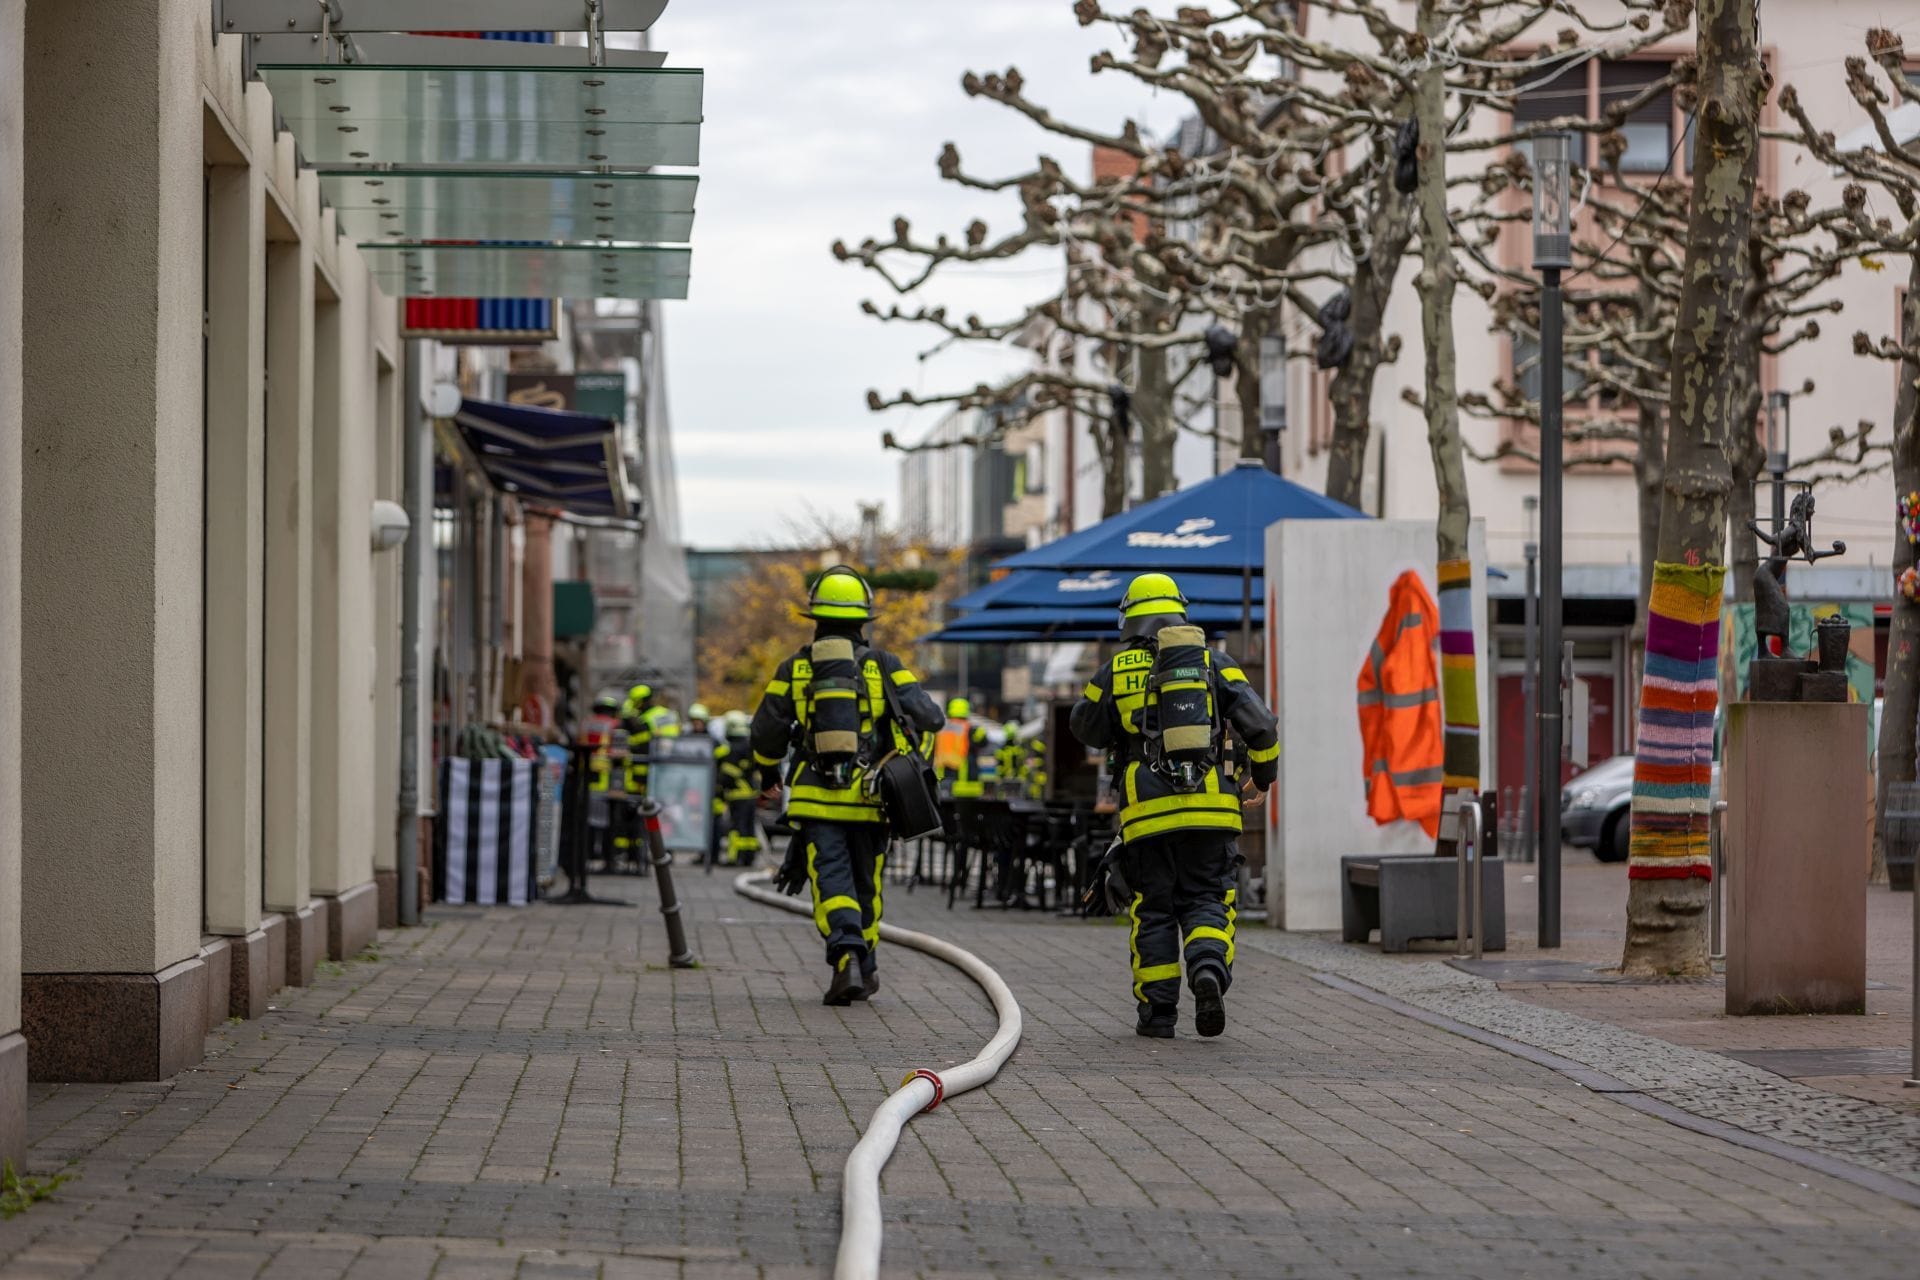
<point>1594,808</point>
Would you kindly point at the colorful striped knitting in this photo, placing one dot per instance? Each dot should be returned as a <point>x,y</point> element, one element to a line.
<point>1459,689</point>
<point>1673,759</point>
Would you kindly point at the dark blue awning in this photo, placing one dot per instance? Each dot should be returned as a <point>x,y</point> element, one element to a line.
<point>1217,525</point>
<point>1045,588</point>
<point>567,460</point>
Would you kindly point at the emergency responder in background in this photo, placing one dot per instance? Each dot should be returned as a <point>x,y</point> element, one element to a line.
<point>697,717</point>
<point>1160,707</point>
<point>832,704</point>
<point>738,794</point>
<point>600,732</point>
<point>1011,759</point>
<point>958,753</point>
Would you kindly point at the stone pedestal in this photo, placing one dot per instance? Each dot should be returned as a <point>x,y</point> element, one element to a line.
<point>1795,780</point>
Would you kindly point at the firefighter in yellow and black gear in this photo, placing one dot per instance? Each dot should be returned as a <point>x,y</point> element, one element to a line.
<point>1009,757</point>
<point>831,704</point>
<point>1161,707</point>
<point>738,795</point>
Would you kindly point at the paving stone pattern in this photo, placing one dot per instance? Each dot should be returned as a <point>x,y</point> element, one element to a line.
<point>1711,1085</point>
<point>531,1093</point>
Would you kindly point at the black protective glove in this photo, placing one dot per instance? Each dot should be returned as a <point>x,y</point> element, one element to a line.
<point>791,878</point>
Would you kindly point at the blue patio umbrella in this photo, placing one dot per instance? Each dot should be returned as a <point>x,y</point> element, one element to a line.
<point>1211,537</point>
<point>1046,589</point>
<point>1218,525</point>
<point>1045,625</point>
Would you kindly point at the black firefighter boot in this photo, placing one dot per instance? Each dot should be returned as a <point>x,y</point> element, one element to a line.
<point>1156,1020</point>
<point>869,977</point>
<point>846,985</point>
<point>1209,1008</point>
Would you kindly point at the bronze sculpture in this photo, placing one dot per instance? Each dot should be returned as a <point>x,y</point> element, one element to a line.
<point>1792,677</point>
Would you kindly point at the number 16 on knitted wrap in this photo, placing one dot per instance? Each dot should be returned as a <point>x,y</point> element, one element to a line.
<point>1673,759</point>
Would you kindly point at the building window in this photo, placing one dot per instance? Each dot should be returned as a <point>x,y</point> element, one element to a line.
<point>1587,91</point>
<point>1273,382</point>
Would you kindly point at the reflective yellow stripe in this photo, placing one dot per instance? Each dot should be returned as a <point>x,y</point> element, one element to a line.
<point>768,761</point>
<point>1208,800</point>
<point>776,688</point>
<point>904,676</point>
<point>872,932</point>
<point>839,902</point>
<point>1233,675</point>
<point>1155,973</point>
<point>1093,692</point>
<point>1208,931</point>
<point>1260,756</point>
<point>1189,820</point>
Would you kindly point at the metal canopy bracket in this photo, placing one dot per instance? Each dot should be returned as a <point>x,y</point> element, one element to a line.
<point>434,51</point>
<point>311,17</point>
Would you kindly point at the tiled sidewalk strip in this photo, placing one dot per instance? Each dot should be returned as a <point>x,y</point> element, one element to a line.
<point>1709,1085</point>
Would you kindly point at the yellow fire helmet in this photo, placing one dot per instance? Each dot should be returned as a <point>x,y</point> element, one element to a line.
<point>840,594</point>
<point>958,709</point>
<point>1151,594</point>
<point>698,711</point>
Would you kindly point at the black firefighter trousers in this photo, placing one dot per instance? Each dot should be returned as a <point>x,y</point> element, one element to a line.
<point>1184,885</point>
<point>844,862</point>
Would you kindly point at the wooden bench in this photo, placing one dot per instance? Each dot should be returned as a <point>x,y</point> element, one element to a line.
<point>1415,897</point>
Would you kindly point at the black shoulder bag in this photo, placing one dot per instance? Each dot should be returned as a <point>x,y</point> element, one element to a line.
<point>905,778</point>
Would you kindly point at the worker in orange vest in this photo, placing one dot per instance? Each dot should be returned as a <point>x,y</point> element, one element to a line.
<point>1401,734</point>
<point>957,753</point>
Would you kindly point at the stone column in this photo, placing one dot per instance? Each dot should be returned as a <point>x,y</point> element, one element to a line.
<point>13,1046</point>
<point>111,548</point>
<point>289,565</point>
<point>236,473</point>
<point>342,710</point>
<point>536,612</point>
<point>387,565</point>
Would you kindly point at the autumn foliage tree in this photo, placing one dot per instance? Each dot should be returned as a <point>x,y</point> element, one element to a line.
<point>765,607</point>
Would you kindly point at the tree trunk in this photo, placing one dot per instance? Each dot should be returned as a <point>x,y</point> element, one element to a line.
<point>1902,703</point>
<point>1351,393</point>
<point>1255,325</point>
<point>1669,867</point>
<point>1111,444</point>
<point>1649,479</point>
<point>1154,415</point>
<point>1459,683</point>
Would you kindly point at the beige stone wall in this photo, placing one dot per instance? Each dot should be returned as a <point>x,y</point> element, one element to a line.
<point>111,582</point>
<point>120,805</point>
<point>12,33</point>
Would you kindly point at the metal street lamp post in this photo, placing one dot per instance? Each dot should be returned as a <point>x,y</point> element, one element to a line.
<point>1779,441</point>
<point>1273,396</point>
<point>1552,253</point>
<point>1530,688</point>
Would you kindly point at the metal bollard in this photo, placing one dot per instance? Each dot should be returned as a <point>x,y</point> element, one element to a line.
<point>680,954</point>
<point>1468,846</point>
<point>1716,904</point>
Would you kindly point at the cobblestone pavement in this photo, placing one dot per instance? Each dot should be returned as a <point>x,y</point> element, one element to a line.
<point>1694,1013</point>
<point>525,1093</point>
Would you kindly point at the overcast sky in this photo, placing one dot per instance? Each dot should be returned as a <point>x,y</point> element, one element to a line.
<point>823,120</point>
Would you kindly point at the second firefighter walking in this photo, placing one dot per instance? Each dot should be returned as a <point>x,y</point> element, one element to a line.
<point>1161,709</point>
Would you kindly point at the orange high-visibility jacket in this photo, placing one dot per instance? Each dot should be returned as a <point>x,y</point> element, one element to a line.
<point>1401,733</point>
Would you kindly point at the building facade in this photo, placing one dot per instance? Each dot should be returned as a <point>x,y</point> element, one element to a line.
<point>216,751</point>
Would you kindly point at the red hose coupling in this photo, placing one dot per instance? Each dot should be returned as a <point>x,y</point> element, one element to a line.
<point>653,824</point>
<point>939,1089</point>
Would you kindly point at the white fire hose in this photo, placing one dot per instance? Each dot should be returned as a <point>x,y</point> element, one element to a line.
<point>921,1091</point>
